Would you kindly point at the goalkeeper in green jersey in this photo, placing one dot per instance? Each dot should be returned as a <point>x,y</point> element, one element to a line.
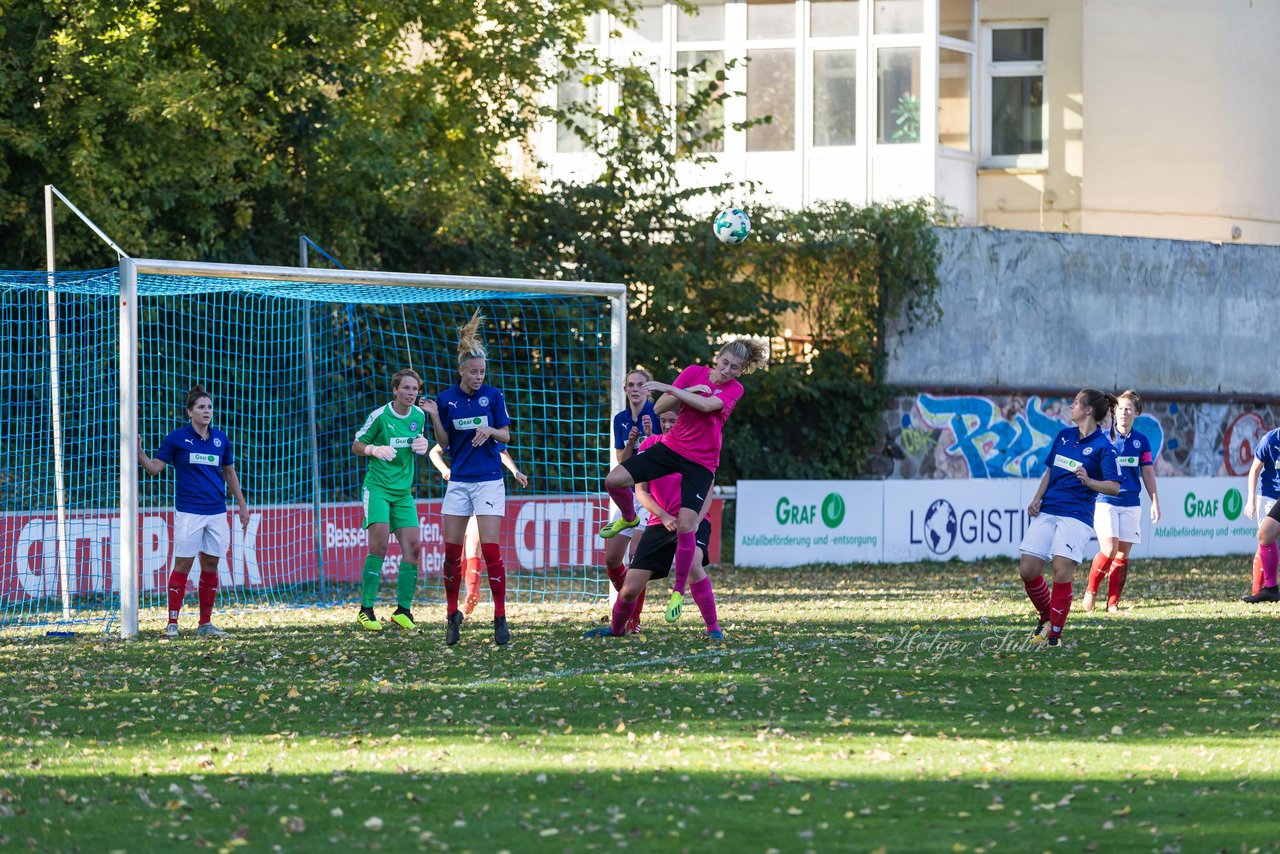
<point>390,437</point>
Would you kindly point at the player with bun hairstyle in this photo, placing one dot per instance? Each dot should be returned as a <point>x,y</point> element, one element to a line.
<point>470,419</point>
<point>391,438</point>
<point>706,397</point>
<point>1116,518</point>
<point>204,467</point>
<point>1080,463</point>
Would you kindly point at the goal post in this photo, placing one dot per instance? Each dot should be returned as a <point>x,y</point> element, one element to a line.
<point>550,343</point>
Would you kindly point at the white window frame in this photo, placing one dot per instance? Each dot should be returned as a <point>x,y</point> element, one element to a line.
<point>992,70</point>
<point>970,49</point>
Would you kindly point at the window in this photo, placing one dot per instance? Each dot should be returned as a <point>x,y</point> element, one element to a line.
<point>771,19</point>
<point>575,94</point>
<point>955,19</point>
<point>830,18</point>
<point>898,16</point>
<point>771,91</point>
<point>954,76</point>
<point>898,95</point>
<point>1016,119</point>
<point>835,97</point>
<point>706,25</point>
<point>697,72</point>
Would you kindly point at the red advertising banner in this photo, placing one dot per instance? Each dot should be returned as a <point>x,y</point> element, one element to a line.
<point>279,545</point>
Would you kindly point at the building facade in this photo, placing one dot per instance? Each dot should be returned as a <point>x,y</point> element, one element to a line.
<point>981,103</point>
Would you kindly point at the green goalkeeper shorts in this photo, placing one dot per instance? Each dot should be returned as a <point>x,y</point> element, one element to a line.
<point>394,509</point>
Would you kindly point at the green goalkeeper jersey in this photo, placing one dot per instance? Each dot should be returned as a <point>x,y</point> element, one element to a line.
<point>385,427</point>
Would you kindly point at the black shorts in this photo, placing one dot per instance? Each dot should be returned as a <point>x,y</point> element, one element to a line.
<point>659,461</point>
<point>657,548</point>
<point>1274,513</point>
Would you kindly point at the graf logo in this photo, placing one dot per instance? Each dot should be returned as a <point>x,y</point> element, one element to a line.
<point>1232,504</point>
<point>833,510</point>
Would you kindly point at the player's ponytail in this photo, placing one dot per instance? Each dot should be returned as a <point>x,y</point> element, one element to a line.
<point>1100,405</point>
<point>754,354</point>
<point>197,392</point>
<point>470,345</point>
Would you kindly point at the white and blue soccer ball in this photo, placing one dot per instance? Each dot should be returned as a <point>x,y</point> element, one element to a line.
<point>731,226</point>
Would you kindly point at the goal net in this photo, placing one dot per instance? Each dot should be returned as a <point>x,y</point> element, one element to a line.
<point>294,359</point>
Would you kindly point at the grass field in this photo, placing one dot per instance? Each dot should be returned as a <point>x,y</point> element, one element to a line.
<point>857,708</point>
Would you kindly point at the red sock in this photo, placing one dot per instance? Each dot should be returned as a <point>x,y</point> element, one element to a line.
<point>497,577</point>
<point>178,589</point>
<point>1059,607</point>
<point>1038,593</point>
<point>452,573</point>
<point>617,575</point>
<point>1119,572</point>
<point>1257,572</point>
<point>1101,563</point>
<point>208,592</point>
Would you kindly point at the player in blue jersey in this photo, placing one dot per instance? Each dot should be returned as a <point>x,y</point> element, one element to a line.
<point>1117,518</point>
<point>631,426</point>
<point>470,419</point>
<point>204,467</point>
<point>1262,504</point>
<point>471,545</point>
<point>1079,464</point>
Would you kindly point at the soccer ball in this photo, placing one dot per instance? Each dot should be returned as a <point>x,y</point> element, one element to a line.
<point>731,226</point>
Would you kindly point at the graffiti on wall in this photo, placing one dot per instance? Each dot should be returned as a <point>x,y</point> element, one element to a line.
<point>978,436</point>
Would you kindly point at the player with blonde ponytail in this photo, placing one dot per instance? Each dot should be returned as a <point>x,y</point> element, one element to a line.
<point>470,420</point>
<point>706,396</point>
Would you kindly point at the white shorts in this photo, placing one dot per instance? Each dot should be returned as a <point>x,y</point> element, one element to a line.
<point>1048,536</point>
<point>1117,523</point>
<point>1262,506</point>
<point>195,534</point>
<point>487,498</point>
<point>641,514</point>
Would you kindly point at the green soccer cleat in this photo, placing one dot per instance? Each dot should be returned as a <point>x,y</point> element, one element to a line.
<point>367,621</point>
<point>403,618</point>
<point>617,526</point>
<point>674,606</point>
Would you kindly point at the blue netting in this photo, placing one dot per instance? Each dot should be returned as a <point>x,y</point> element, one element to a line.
<point>247,341</point>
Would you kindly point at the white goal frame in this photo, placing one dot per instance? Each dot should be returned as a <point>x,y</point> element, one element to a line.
<point>131,268</point>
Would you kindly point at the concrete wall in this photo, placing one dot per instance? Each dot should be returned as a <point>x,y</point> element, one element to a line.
<point>1030,311</point>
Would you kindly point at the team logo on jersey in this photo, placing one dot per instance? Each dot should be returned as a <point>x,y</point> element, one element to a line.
<point>484,401</point>
<point>1137,444</point>
<point>217,443</point>
<point>1087,451</point>
<point>413,426</point>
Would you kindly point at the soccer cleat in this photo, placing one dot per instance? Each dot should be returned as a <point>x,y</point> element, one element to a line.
<point>1088,601</point>
<point>715,634</point>
<point>209,630</point>
<point>1041,634</point>
<point>453,628</point>
<point>674,606</point>
<point>1053,642</point>
<point>1266,594</point>
<point>633,627</point>
<point>1113,607</point>
<point>403,618</point>
<point>600,632</point>
<point>367,621</point>
<point>171,631</point>
<point>617,526</point>
<point>501,634</point>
